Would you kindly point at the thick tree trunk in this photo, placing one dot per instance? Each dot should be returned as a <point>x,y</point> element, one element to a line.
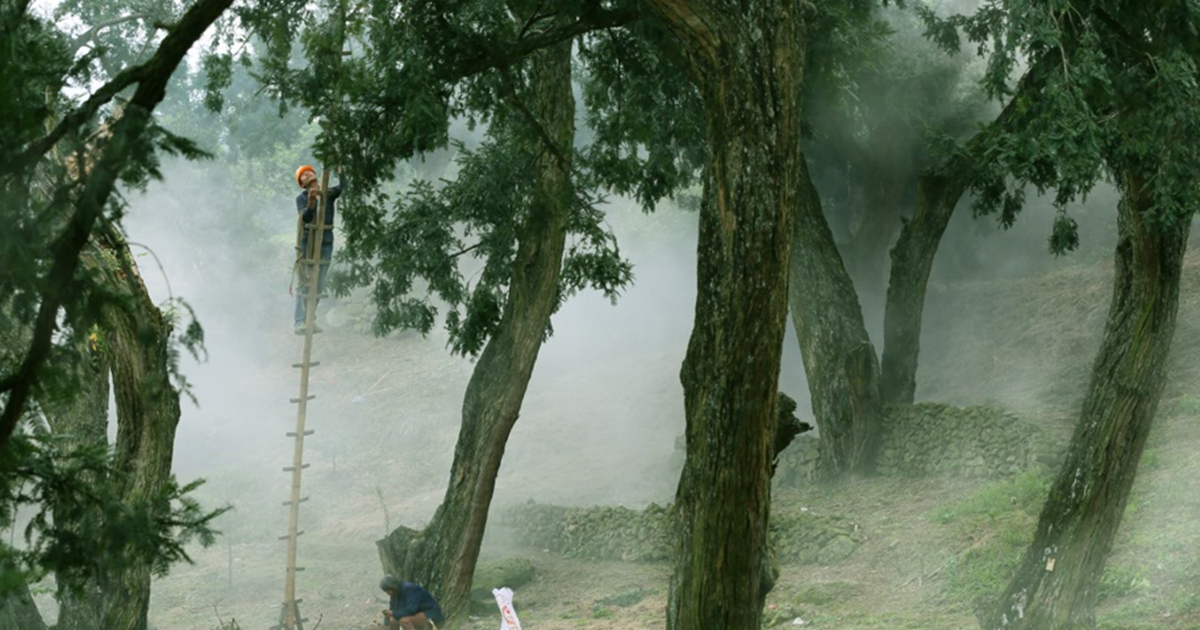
<point>444,555</point>
<point>83,422</point>
<point>18,612</point>
<point>912,261</point>
<point>1056,583</point>
<point>839,359</point>
<point>147,416</point>
<point>747,59</point>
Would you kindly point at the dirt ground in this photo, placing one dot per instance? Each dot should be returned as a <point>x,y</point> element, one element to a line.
<point>597,430</point>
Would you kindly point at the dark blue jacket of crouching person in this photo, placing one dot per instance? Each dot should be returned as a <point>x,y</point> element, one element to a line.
<point>410,605</point>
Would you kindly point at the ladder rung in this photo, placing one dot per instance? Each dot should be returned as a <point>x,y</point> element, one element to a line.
<point>312,364</point>
<point>286,503</point>
<point>293,468</point>
<point>298,534</point>
<point>310,397</point>
<point>293,433</point>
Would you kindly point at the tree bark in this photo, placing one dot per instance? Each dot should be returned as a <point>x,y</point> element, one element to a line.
<point>938,193</point>
<point>18,612</point>
<point>839,359</point>
<point>912,261</point>
<point>152,78</point>
<point>444,555</point>
<point>747,60</point>
<point>83,422</point>
<point>1056,583</point>
<point>147,415</point>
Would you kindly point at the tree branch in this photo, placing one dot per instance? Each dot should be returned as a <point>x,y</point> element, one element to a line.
<point>533,121</point>
<point>152,85</point>
<point>72,121</point>
<point>89,34</point>
<point>505,54</point>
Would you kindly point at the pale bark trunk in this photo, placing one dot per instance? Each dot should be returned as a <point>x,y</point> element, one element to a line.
<point>1056,583</point>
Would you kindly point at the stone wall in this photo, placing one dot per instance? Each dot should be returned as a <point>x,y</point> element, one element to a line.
<point>620,533</point>
<point>934,439</point>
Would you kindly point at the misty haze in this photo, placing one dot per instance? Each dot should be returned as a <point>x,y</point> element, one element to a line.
<point>639,314</point>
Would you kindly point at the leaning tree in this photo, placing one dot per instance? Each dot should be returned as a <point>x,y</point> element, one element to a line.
<point>1118,100</point>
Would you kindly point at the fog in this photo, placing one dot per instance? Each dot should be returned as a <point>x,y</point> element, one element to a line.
<point>602,413</point>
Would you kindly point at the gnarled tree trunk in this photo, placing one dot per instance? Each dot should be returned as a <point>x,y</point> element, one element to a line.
<point>1056,583</point>
<point>147,416</point>
<point>747,60</point>
<point>83,422</point>
<point>444,555</point>
<point>839,359</point>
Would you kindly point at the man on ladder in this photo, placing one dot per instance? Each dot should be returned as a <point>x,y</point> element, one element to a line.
<point>306,208</point>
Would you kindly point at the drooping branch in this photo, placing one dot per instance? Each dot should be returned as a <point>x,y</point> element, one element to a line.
<point>127,132</point>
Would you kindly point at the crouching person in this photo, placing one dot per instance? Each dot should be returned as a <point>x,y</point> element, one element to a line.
<point>411,607</point>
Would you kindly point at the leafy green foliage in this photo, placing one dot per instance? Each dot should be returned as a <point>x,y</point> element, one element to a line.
<point>79,529</point>
<point>1117,98</point>
<point>429,230</point>
<point>646,117</point>
<point>409,73</point>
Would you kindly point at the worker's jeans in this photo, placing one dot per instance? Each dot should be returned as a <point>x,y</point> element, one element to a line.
<point>302,292</point>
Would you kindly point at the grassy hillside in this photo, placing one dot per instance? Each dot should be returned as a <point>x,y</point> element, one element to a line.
<point>599,429</point>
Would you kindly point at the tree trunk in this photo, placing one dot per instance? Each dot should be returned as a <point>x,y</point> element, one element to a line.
<point>938,193</point>
<point>83,422</point>
<point>18,612</point>
<point>747,60</point>
<point>1056,583</point>
<point>147,416</point>
<point>839,359</point>
<point>443,556</point>
<point>912,261</point>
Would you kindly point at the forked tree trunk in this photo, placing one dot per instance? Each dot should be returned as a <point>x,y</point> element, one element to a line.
<point>747,60</point>
<point>839,359</point>
<point>147,416</point>
<point>912,261</point>
<point>1056,583</point>
<point>443,556</point>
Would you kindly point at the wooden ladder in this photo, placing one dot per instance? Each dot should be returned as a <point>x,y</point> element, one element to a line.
<point>289,616</point>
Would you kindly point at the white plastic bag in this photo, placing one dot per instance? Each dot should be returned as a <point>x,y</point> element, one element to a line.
<point>508,616</point>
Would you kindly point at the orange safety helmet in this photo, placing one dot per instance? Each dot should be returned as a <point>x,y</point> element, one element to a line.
<point>300,171</point>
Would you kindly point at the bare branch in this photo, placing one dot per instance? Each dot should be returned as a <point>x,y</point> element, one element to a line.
<point>91,33</point>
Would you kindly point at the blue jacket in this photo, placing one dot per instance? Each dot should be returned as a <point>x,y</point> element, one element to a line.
<point>311,214</point>
<point>411,599</point>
